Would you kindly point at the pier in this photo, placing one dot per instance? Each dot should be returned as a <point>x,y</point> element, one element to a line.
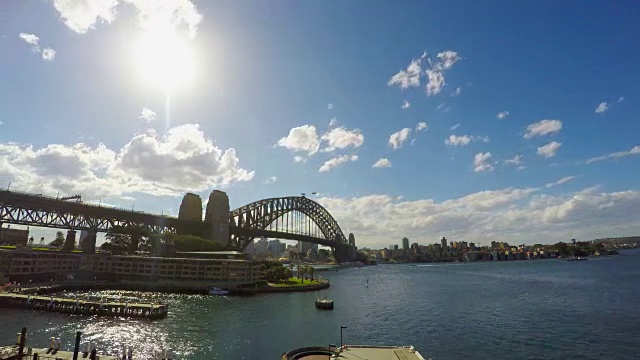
<point>83,307</point>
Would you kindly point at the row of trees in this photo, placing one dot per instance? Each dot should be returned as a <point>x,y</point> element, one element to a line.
<point>128,240</point>
<point>275,271</point>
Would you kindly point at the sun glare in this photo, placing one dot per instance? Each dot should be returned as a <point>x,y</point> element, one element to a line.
<point>164,59</point>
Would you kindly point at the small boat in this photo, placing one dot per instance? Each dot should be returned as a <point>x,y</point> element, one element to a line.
<point>324,304</point>
<point>217,291</point>
<point>576,258</point>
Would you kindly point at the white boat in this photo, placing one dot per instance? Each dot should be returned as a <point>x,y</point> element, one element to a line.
<point>217,291</point>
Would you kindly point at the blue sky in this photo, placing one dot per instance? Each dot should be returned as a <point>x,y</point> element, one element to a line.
<point>538,102</point>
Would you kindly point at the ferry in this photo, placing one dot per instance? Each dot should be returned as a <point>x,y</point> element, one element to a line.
<point>354,352</point>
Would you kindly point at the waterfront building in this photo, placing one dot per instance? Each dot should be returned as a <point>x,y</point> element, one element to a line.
<point>415,248</point>
<point>395,248</point>
<point>13,237</point>
<point>405,244</point>
<point>472,246</point>
<point>273,246</point>
<point>443,242</point>
<point>195,270</point>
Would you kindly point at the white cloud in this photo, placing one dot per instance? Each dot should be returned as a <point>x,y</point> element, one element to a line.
<point>502,115</point>
<point>382,163</point>
<point>543,127</point>
<point>333,122</point>
<point>421,126</point>
<point>302,138</point>
<point>82,15</point>
<point>447,59</point>
<point>457,91</point>
<point>31,39</point>
<point>443,107</point>
<point>405,105</point>
<point>517,160</point>
<point>340,138</point>
<point>398,138</point>
<point>330,106</point>
<point>147,115</point>
<point>616,155</point>
<point>1,123</point>
<point>48,54</point>
<point>435,82</point>
<point>481,162</point>
<point>455,126</point>
<point>271,180</point>
<point>620,99</point>
<point>549,150</point>
<point>336,161</point>
<point>513,215</point>
<point>183,159</point>
<point>409,77</point>
<point>563,180</point>
<point>455,140</point>
<point>464,140</point>
<point>602,107</point>
<point>299,159</point>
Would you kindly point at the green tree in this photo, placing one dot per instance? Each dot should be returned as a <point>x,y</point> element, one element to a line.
<point>42,240</point>
<point>311,270</point>
<point>59,240</point>
<point>323,254</point>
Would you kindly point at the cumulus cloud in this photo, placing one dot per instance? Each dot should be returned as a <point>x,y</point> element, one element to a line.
<point>517,160</point>
<point>183,159</point>
<point>502,115</point>
<point>602,107</point>
<point>337,161</point>
<point>410,77</point>
<point>481,162</point>
<point>382,163</point>
<point>434,73</point>
<point>333,122</point>
<point>514,215</point>
<point>549,150</point>
<point>299,159</point>
<point>464,140</point>
<point>341,137</point>
<point>48,54</point>
<point>301,139</point>
<point>399,137</point>
<point>405,105</point>
<point>83,15</point>
<point>563,180</point>
<point>543,127</point>
<point>147,114</point>
<point>616,155</point>
<point>455,140</point>
<point>421,126</point>
<point>31,39</point>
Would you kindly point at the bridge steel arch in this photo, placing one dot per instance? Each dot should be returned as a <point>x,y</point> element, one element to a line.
<point>251,220</point>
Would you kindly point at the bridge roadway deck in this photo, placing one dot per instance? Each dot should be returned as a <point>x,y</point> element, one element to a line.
<point>36,210</point>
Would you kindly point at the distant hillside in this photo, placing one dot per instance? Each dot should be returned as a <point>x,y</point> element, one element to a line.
<point>621,240</point>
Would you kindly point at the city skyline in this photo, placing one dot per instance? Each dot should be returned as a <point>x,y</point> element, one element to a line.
<point>483,122</point>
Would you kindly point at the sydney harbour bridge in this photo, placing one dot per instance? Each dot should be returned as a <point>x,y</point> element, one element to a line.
<point>290,218</point>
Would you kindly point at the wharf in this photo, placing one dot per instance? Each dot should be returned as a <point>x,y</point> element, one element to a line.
<point>354,352</point>
<point>11,352</point>
<point>83,307</point>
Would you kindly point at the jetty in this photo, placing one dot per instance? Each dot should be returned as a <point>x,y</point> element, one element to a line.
<point>83,306</point>
<point>87,350</point>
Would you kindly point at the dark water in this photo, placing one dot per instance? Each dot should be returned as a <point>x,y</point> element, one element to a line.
<point>509,310</point>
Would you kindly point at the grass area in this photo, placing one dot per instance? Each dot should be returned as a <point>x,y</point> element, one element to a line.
<point>10,247</point>
<point>294,281</point>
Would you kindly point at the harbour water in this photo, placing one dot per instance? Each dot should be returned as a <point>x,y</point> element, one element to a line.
<point>549,309</point>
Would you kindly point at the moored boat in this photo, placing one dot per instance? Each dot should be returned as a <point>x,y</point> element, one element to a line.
<point>324,304</point>
<point>217,291</point>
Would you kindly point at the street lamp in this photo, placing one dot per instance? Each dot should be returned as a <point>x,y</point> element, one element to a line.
<point>341,328</point>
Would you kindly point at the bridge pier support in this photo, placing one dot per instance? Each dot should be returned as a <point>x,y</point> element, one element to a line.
<point>88,244</point>
<point>216,217</point>
<point>70,241</point>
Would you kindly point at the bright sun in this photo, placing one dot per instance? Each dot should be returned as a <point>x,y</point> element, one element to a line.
<point>164,59</point>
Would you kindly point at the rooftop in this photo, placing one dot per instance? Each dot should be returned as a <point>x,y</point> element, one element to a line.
<point>357,352</point>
